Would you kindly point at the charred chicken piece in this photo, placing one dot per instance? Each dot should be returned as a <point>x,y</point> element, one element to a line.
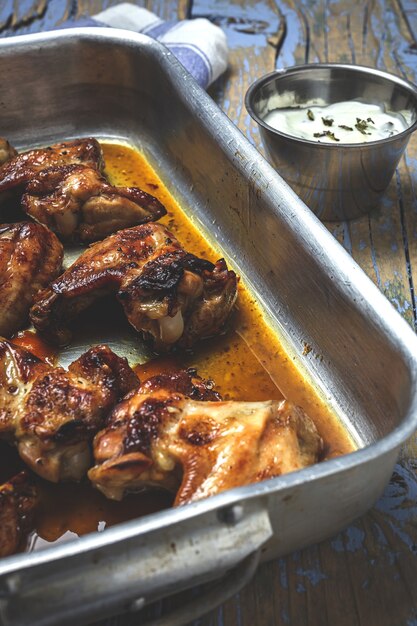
<point>30,257</point>
<point>18,500</point>
<point>78,203</point>
<point>7,152</point>
<point>64,188</point>
<point>186,382</point>
<point>197,449</point>
<point>167,294</point>
<point>18,171</point>
<point>51,413</point>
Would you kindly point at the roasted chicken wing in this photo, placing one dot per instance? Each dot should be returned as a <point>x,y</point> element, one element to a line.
<point>30,257</point>
<point>7,152</point>
<point>160,437</point>
<point>78,203</point>
<point>186,382</point>
<point>167,294</point>
<point>20,169</point>
<point>64,188</point>
<point>51,413</point>
<point>18,499</point>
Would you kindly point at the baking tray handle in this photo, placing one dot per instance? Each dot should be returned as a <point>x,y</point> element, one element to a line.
<point>129,573</point>
<point>220,592</point>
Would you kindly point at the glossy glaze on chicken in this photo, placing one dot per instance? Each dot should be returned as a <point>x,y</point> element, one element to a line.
<point>18,501</point>
<point>159,436</point>
<point>168,294</point>
<point>7,152</point>
<point>52,414</point>
<point>19,169</point>
<point>187,382</point>
<point>78,203</point>
<point>64,187</point>
<point>30,257</point>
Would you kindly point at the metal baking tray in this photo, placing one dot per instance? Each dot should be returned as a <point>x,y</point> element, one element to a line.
<point>120,85</point>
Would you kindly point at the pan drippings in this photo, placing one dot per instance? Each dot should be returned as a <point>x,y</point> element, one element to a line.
<point>246,363</point>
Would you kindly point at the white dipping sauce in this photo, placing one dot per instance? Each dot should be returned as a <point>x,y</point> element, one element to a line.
<point>342,122</point>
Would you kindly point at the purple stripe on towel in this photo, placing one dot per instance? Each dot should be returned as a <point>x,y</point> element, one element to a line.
<point>193,60</point>
<point>80,23</point>
<point>157,31</point>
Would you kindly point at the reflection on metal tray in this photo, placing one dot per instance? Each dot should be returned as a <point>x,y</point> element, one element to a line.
<point>115,84</point>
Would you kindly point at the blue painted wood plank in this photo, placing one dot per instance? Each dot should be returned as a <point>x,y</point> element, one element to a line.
<point>32,16</point>
<point>246,24</point>
<point>373,34</point>
<point>366,574</point>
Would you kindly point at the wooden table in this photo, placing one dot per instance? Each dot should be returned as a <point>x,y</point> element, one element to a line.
<point>367,574</point>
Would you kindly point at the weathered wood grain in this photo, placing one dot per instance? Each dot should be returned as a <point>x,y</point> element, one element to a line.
<point>165,10</point>
<point>364,576</point>
<point>254,32</point>
<point>32,15</point>
<point>27,16</point>
<point>381,251</point>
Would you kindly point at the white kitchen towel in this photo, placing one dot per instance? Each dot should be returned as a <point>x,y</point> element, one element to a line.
<point>200,45</point>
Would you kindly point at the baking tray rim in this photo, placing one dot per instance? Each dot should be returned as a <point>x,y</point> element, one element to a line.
<point>160,520</point>
<point>329,250</point>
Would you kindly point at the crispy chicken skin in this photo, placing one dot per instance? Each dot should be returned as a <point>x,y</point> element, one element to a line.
<point>78,203</point>
<point>18,171</point>
<point>51,413</point>
<point>187,382</point>
<point>7,152</point>
<point>18,500</point>
<point>167,294</point>
<point>30,257</point>
<point>158,436</point>
<point>64,188</point>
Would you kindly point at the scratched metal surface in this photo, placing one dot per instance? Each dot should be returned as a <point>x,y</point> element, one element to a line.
<point>366,574</point>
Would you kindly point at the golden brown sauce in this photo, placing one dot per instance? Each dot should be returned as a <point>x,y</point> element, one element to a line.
<point>68,509</point>
<point>81,509</point>
<point>247,363</point>
<point>33,343</point>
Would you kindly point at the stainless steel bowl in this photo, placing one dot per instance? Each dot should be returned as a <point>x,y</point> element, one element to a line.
<point>337,181</point>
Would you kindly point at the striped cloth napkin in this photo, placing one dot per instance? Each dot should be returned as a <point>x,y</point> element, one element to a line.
<point>198,44</point>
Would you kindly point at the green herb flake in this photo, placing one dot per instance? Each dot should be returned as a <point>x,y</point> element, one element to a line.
<point>370,120</point>
<point>361,126</point>
<point>331,136</point>
<point>327,121</point>
<point>310,115</point>
<point>326,133</point>
<point>345,127</point>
